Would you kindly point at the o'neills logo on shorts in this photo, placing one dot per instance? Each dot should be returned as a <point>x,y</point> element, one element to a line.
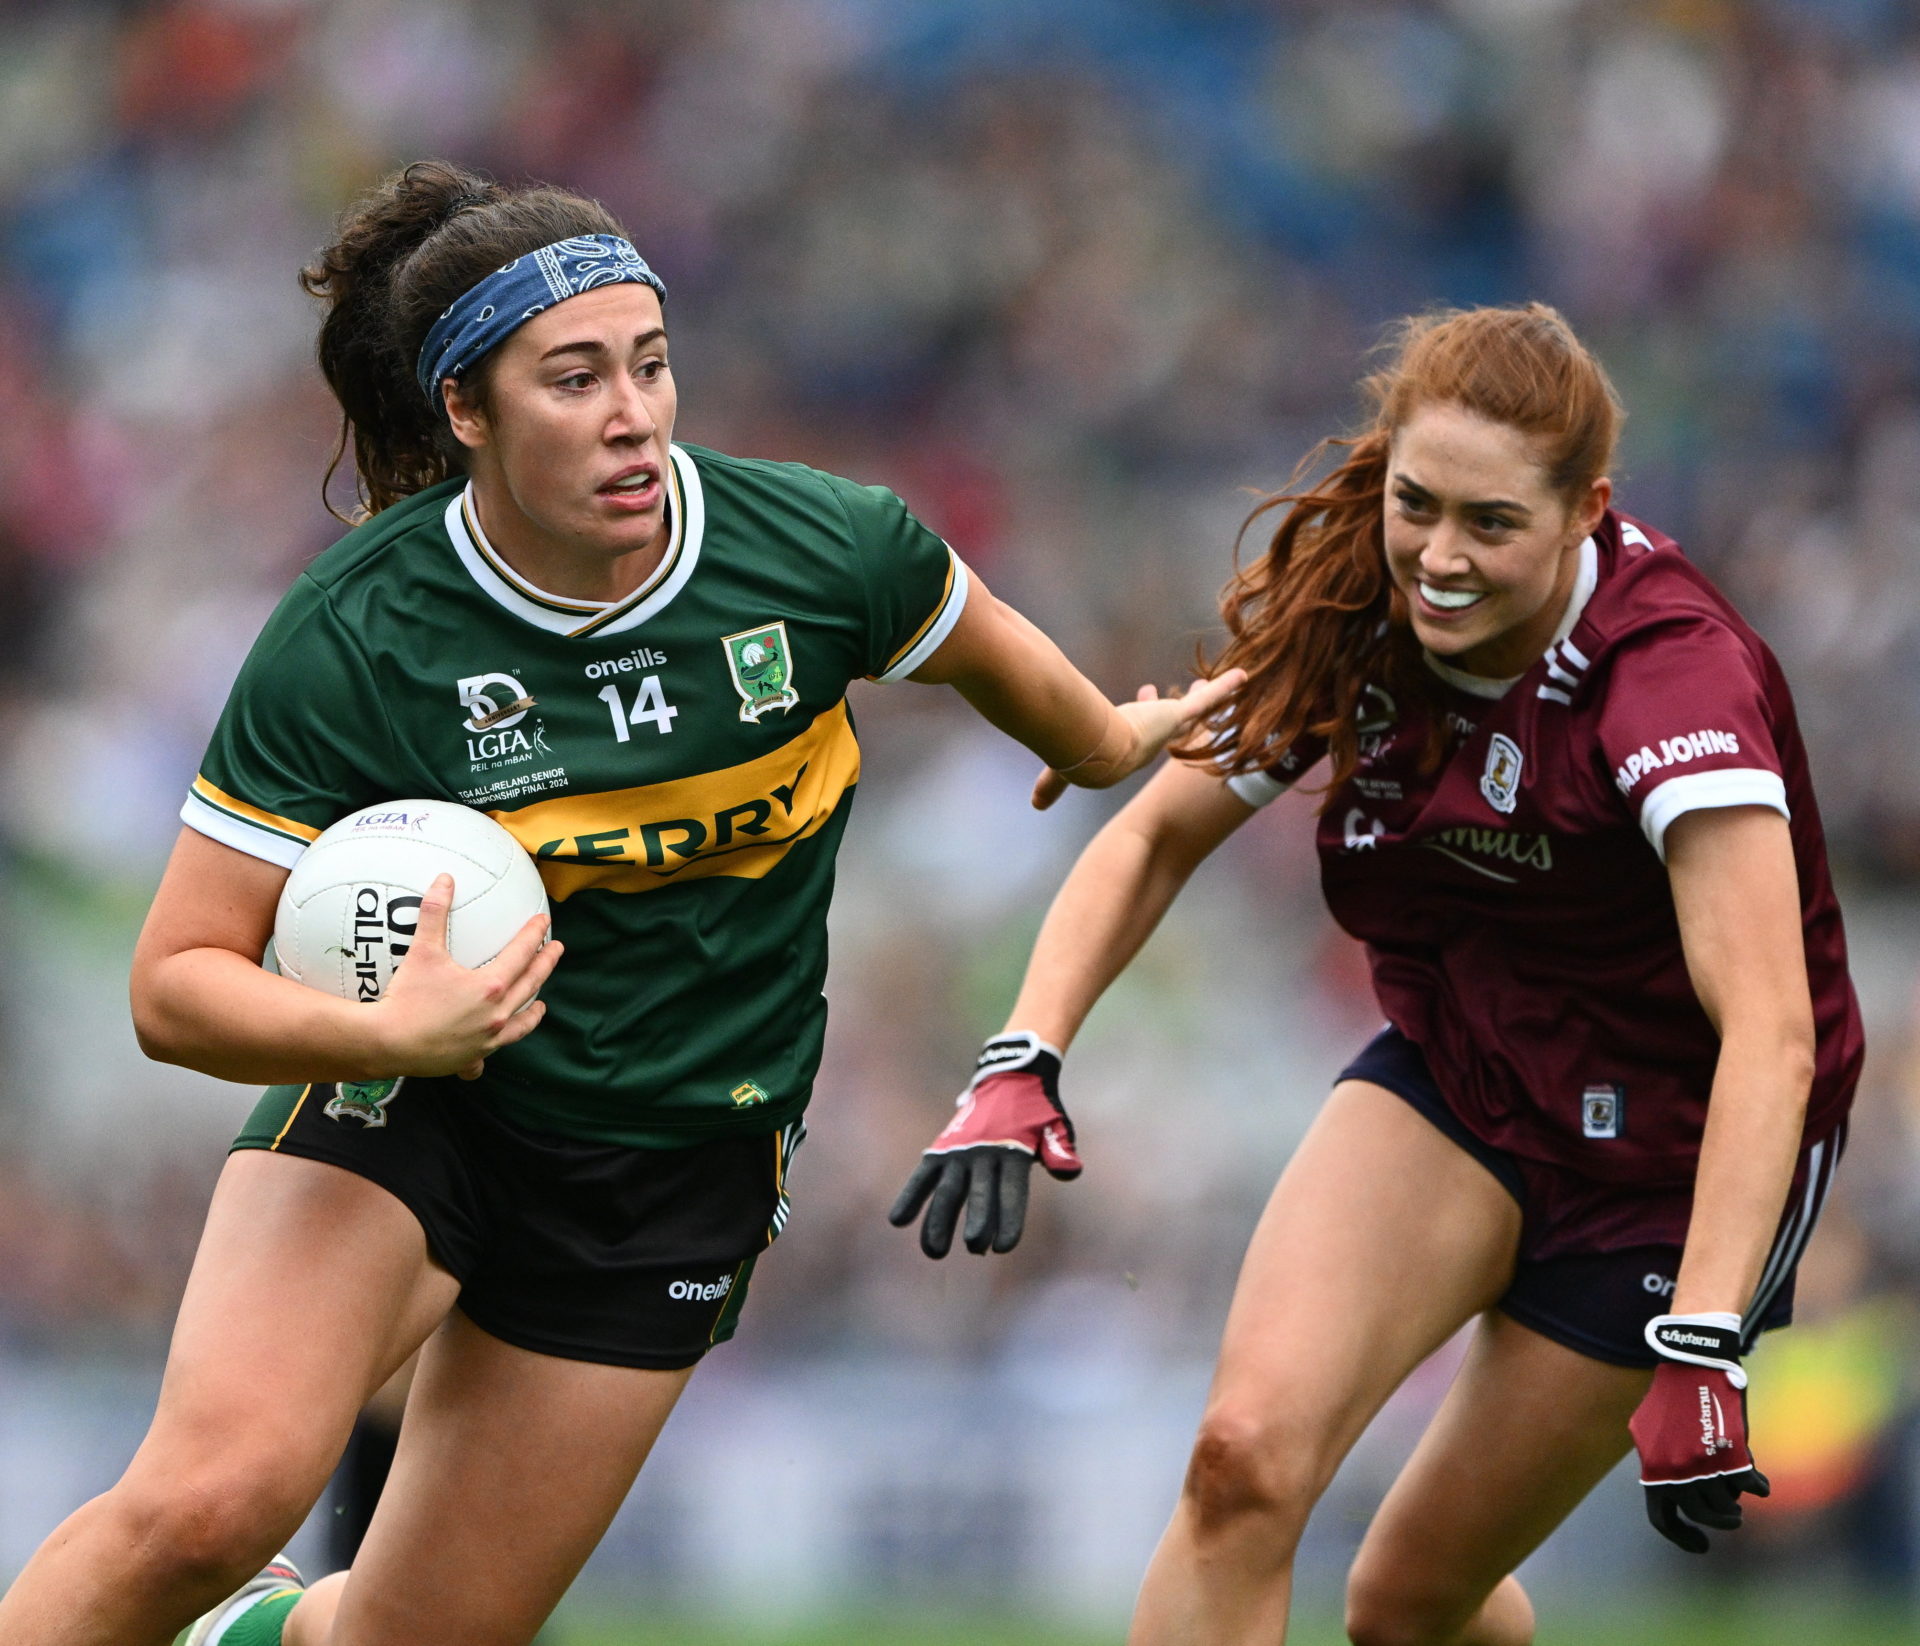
<point>696,1291</point>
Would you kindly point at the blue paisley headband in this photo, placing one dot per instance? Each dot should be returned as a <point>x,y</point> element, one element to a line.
<point>488,314</point>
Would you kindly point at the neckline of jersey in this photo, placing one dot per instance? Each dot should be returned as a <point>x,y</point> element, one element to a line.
<point>1480,685</point>
<point>586,619</point>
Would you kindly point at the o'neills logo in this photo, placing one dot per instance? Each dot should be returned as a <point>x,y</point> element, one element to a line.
<point>695,1291</point>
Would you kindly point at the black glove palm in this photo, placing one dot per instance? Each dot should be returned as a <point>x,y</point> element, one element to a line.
<point>1009,1114</point>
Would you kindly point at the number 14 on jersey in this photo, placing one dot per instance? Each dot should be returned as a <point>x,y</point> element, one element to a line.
<point>650,707</point>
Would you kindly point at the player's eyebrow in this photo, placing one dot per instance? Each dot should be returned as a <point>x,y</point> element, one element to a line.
<point>593,345</point>
<point>1495,505</point>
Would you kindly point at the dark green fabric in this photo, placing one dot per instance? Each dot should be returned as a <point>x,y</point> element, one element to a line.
<point>688,1005</point>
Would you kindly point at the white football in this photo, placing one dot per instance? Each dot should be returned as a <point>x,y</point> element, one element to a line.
<point>348,911</point>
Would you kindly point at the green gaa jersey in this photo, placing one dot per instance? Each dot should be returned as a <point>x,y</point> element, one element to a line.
<point>680,763</point>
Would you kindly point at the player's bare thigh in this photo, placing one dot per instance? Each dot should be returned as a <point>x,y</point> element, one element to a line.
<point>1381,1239</point>
<point>1527,1430</point>
<point>510,1467</point>
<point>309,1287</point>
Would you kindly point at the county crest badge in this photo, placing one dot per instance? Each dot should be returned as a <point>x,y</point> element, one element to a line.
<point>363,1100</point>
<point>761,663</point>
<point>1500,782</point>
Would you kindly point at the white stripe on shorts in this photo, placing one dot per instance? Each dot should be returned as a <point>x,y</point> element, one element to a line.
<point>1791,1244</point>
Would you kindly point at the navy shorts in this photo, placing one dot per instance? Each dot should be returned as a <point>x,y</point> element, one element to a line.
<point>586,1251</point>
<point>1580,1279</point>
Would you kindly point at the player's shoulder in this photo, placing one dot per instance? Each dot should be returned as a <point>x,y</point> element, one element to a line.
<point>797,487</point>
<point>376,547</point>
<point>797,492</point>
<point>1649,592</point>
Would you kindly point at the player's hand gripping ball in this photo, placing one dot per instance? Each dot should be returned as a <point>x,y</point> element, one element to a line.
<point>348,911</point>
<point>1008,1117</point>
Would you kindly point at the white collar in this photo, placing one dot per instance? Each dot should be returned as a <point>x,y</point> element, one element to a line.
<point>1585,581</point>
<point>566,615</point>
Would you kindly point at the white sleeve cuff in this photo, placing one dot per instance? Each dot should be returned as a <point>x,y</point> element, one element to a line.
<point>242,837</point>
<point>938,629</point>
<point>1708,791</point>
<point>1256,789</point>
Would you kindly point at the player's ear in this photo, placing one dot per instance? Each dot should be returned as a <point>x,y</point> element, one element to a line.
<point>464,414</point>
<point>1587,515</point>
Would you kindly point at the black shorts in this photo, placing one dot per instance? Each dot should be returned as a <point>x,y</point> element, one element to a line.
<point>1580,1278</point>
<point>587,1251</point>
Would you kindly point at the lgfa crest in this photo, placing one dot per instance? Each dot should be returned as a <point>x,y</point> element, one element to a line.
<point>363,1100</point>
<point>761,663</point>
<point>1500,782</point>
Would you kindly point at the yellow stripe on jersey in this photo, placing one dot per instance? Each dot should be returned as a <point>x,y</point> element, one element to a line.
<point>220,799</point>
<point>933,617</point>
<point>739,821</point>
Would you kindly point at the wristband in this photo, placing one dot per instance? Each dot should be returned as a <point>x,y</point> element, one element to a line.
<point>1708,1339</point>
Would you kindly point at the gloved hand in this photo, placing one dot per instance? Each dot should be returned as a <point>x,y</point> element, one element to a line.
<point>1691,1429</point>
<point>1009,1114</point>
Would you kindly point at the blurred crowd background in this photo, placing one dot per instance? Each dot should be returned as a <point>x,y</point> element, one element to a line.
<point>1079,278</point>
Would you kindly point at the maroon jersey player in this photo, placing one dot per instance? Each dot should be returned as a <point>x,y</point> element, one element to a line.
<point>1566,807</point>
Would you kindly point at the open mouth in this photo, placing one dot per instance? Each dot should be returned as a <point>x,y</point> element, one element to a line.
<point>632,485</point>
<point>1450,600</point>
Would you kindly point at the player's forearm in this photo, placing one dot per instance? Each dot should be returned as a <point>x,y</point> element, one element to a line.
<point>1111,902</point>
<point>216,1011</point>
<point>1753,1134</point>
<point>1024,684</point>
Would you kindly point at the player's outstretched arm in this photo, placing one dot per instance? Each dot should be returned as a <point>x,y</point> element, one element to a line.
<point>201,999</point>
<point>1736,892</point>
<point>1023,683</point>
<point>1011,1113</point>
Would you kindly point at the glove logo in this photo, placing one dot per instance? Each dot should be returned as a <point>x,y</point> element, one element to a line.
<point>1712,1423</point>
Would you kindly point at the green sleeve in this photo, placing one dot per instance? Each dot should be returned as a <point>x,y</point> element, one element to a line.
<point>302,740</point>
<point>916,587</point>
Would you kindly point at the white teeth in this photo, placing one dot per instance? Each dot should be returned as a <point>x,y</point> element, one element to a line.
<point>1451,600</point>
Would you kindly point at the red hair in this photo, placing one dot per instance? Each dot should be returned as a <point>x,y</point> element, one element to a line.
<point>1315,620</point>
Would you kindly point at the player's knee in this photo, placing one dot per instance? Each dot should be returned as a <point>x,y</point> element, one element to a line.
<point>207,1527</point>
<point>1245,1468</point>
<point>1381,1612</point>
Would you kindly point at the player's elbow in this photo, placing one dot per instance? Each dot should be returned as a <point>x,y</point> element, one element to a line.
<point>154,1034</point>
<point>1799,1057</point>
<point>1782,1040</point>
<point>156,1029</point>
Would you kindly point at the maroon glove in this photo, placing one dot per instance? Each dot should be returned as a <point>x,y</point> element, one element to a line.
<point>1691,1429</point>
<point>1009,1114</point>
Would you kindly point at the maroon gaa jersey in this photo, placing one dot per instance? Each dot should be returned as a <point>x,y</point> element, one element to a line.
<point>1515,902</point>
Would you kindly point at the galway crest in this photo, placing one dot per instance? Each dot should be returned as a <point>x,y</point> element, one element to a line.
<point>761,662</point>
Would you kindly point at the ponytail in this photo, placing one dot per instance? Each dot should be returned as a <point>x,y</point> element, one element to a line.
<point>1316,620</point>
<point>402,254</point>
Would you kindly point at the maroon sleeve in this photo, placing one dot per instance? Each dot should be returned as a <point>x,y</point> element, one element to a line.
<point>1271,781</point>
<point>1685,725</point>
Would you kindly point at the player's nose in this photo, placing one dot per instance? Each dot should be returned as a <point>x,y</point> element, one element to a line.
<point>1444,552</point>
<point>630,417</point>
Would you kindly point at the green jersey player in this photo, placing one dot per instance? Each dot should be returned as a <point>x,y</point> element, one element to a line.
<point>634,655</point>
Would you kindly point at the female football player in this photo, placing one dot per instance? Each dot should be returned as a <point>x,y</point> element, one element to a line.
<point>634,654</point>
<point>1566,808</point>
